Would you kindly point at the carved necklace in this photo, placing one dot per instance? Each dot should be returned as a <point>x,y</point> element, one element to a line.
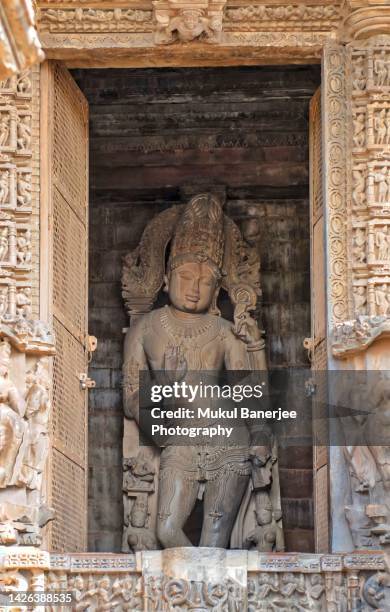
<point>180,329</point>
<point>188,335</point>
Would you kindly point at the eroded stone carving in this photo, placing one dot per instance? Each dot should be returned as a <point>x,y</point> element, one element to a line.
<point>268,591</point>
<point>188,21</point>
<point>23,450</point>
<point>138,484</point>
<point>19,43</point>
<point>186,337</point>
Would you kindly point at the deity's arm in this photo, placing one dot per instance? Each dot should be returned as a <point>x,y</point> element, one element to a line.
<point>134,362</point>
<point>240,355</point>
<point>16,401</point>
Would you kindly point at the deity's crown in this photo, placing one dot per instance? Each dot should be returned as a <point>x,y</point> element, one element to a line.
<point>199,233</point>
<point>5,353</point>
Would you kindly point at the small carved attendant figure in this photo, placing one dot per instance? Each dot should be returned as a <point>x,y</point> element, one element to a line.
<point>12,425</point>
<point>24,133</point>
<point>24,247</point>
<point>4,186</point>
<point>23,303</point>
<point>24,190</point>
<point>388,127</point>
<point>186,338</point>
<point>381,299</point>
<point>380,68</point>
<point>4,129</point>
<point>359,81</point>
<point>37,415</point>
<point>381,178</point>
<point>360,299</point>
<point>267,536</point>
<point>380,127</point>
<point>358,194</point>
<point>359,126</point>
<point>4,244</point>
<point>3,301</point>
<point>382,244</point>
<point>359,244</point>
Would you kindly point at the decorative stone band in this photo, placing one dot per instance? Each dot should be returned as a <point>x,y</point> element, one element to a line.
<point>199,578</point>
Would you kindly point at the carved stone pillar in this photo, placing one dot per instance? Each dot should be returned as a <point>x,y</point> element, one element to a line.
<point>357,168</point>
<point>25,341</point>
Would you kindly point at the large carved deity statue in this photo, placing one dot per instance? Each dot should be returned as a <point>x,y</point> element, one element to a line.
<point>238,482</point>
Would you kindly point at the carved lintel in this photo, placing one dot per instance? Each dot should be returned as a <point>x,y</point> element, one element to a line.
<point>19,43</point>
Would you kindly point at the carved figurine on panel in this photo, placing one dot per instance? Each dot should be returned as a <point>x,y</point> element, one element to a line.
<point>206,253</point>
<point>380,127</point>
<point>24,197</point>
<point>24,133</point>
<point>24,246</point>
<point>138,484</point>
<point>267,535</point>
<point>12,424</point>
<point>381,69</point>
<point>37,416</point>
<point>359,77</point>
<point>4,186</point>
<point>359,124</point>
<point>381,179</point>
<point>4,243</point>
<point>24,303</point>
<point>367,454</point>
<point>190,21</point>
<point>359,188</point>
<point>3,302</point>
<point>360,300</point>
<point>5,120</point>
<point>359,244</point>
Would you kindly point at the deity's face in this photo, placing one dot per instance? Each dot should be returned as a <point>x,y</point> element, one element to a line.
<point>191,287</point>
<point>190,19</point>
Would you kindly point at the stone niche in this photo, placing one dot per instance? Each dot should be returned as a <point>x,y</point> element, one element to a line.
<point>156,137</point>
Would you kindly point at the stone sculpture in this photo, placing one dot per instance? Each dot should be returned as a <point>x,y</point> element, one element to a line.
<point>12,424</point>
<point>188,336</point>
<point>24,444</point>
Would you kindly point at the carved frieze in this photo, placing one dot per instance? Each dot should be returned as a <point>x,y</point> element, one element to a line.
<point>288,15</point>
<point>84,19</point>
<point>297,25</point>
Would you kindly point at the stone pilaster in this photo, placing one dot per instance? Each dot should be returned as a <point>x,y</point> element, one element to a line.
<point>359,303</point>
<point>25,342</point>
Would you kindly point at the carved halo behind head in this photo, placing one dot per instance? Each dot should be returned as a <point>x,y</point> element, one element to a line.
<point>197,232</point>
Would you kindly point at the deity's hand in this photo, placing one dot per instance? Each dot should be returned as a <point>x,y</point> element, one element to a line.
<point>259,455</point>
<point>175,363</point>
<point>245,328</point>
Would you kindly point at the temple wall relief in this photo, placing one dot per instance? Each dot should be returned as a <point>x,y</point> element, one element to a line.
<point>26,342</point>
<point>357,148</point>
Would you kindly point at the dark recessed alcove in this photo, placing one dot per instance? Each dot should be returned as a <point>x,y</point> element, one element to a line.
<point>156,136</point>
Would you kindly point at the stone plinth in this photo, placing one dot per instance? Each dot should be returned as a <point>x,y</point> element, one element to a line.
<point>201,579</point>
